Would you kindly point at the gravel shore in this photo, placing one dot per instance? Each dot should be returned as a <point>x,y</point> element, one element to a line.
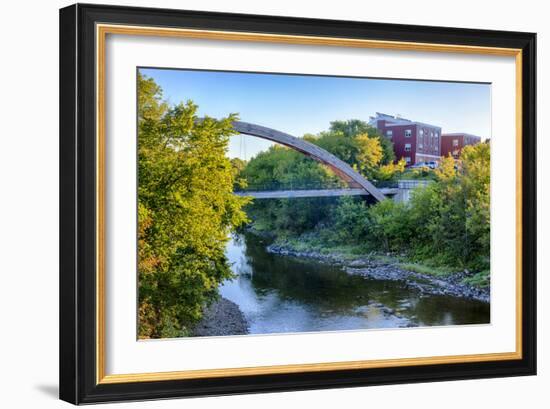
<point>223,317</point>
<point>384,270</point>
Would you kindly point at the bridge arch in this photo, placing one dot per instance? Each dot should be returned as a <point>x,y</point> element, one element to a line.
<point>338,166</point>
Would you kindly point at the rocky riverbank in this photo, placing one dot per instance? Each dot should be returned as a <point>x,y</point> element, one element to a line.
<point>388,269</point>
<point>223,317</point>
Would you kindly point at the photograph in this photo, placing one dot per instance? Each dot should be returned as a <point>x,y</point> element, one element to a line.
<point>283,203</point>
<point>260,203</point>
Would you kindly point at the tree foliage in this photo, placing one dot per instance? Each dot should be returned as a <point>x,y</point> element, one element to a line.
<point>186,211</point>
<point>361,146</point>
<point>280,166</point>
<point>355,142</point>
<point>447,222</point>
<point>353,127</point>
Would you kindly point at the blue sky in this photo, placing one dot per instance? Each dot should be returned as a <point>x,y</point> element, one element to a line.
<point>299,104</point>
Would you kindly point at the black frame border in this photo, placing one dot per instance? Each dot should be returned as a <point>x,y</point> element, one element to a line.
<point>78,197</point>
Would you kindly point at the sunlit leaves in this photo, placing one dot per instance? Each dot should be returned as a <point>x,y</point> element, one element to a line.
<point>186,209</point>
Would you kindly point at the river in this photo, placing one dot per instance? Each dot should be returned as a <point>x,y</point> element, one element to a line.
<point>282,294</point>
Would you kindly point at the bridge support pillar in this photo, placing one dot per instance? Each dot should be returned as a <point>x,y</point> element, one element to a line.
<point>406,187</point>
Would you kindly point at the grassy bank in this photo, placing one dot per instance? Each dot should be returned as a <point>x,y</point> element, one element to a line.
<point>314,243</point>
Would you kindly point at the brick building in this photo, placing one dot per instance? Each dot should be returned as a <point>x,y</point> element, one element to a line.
<point>414,141</point>
<point>452,143</point>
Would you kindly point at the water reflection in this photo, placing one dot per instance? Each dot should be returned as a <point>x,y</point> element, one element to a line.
<point>286,294</point>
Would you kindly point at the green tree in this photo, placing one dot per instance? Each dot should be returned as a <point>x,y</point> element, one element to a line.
<point>186,211</point>
<point>390,225</point>
<point>237,167</point>
<point>476,182</point>
<point>446,171</point>
<point>453,213</point>
<point>280,166</point>
<point>351,222</point>
<point>390,171</point>
<point>370,153</point>
<point>354,127</point>
<point>358,144</point>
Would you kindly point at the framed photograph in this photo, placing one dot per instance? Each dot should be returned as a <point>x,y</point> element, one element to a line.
<point>257,203</point>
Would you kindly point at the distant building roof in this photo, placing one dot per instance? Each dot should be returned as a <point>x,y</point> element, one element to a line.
<point>460,134</point>
<point>396,120</point>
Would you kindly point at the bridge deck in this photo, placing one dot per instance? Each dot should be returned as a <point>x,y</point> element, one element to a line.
<point>288,194</point>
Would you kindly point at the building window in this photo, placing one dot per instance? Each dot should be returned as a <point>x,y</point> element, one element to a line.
<point>421,132</point>
<point>455,142</point>
<point>420,145</point>
<point>407,159</point>
<point>389,134</point>
<point>408,133</point>
<point>407,147</point>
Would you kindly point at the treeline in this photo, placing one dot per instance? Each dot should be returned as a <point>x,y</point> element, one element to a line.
<point>353,141</point>
<point>186,210</point>
<point>445,224</point>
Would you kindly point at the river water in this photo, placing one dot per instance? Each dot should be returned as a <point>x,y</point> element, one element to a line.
<point>280,294</point>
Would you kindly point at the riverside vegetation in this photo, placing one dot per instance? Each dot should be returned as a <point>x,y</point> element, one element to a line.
<point>444,228</point>
<point>187,209</point>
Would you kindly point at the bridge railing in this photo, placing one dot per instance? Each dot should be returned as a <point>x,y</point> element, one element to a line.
<point>306,185</point>
<point>413,183</point>
<point>381,184</point>
<point>297,185</point>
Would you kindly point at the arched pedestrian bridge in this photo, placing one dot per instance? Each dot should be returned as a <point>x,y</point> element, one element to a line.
<point>359,185</point>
